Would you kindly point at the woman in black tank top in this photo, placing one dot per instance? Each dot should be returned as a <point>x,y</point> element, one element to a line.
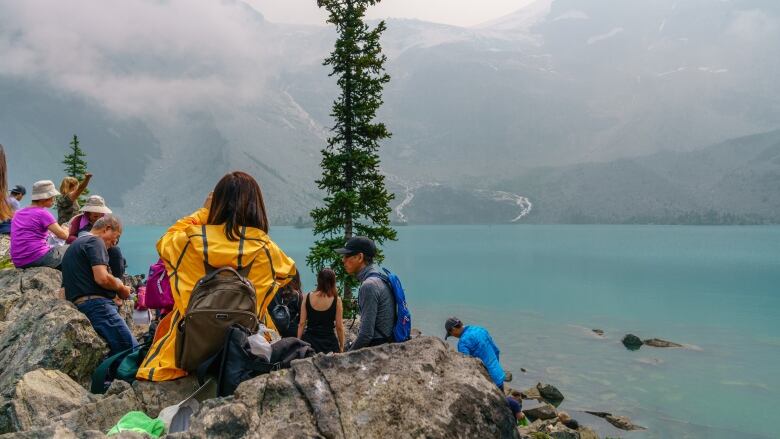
<point>320,327</point>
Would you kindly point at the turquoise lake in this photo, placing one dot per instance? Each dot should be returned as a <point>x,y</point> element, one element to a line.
<point>540,289</point>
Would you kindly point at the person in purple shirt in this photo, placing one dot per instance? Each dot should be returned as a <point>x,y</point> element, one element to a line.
<point>30,229</point>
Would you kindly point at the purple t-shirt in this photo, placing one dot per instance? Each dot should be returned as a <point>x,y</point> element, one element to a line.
<point>29,230</point>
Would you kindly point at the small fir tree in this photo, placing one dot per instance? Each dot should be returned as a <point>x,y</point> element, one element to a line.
<point>356,201</point>
<point>75,165</point>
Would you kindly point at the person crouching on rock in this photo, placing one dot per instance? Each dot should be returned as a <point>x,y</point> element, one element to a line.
<point>89,284</point>
<point>30,229</point>
<point>81,224</point>
<point>375,299</point>
<point>475,341</point>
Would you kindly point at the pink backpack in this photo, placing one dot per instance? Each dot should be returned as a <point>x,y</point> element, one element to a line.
<point>140,302</point>
<point>158,288</point>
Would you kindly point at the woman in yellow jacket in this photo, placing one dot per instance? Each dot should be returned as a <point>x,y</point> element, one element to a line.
<point>229,231</point>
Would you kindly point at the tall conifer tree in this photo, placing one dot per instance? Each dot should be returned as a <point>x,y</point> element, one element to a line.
<point>75,165</point>
<point>356,200</point>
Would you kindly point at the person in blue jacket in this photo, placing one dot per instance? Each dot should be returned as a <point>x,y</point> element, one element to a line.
<point>476,341</point>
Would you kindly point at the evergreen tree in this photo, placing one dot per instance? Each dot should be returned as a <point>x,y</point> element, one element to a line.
<point>356,201</point>
<point>75,165</point>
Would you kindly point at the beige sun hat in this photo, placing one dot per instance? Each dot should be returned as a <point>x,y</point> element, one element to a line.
<point>43,190</point>
<point>96,204</point>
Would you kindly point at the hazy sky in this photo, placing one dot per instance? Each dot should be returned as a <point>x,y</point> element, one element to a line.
<point>457,12</point>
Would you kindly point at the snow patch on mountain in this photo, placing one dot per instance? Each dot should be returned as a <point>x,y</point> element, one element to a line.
<point>522,202</point>
<point>595,39</point>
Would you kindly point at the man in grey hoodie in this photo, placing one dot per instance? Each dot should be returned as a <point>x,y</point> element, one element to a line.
<point>375,299</point>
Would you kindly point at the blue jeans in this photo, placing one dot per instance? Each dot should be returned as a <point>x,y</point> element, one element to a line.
<point>109,325</point>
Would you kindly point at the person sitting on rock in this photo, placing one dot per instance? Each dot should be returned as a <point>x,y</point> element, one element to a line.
<point>81,224</point>
<point>67,202</point>
<point>30,230</point>
<point>17,193</point>
<point>375,299</point>
<point>475,341</point>
<point>231,230</point>
<point>90,285</point>
<point>321,313</point>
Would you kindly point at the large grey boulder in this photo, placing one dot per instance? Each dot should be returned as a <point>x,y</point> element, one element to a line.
<point>38,397</point>
<point>420,388</point>
<point>41,331</point>
<point>155,396</point>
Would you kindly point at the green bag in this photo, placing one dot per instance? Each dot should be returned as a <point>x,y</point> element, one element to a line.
<point>124,365</point>
<point>129,366</point>
<point>140,423</point>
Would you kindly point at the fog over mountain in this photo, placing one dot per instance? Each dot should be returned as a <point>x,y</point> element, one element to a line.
<point>167,97</point>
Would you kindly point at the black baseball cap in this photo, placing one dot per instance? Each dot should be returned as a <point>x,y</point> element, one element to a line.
<point>19,189</point>
<point>452,322</point>
<point>358,244</point>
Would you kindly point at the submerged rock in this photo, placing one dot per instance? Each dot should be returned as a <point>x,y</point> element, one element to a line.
<point>632,342</point>
<point>659,343</point>
<point>621,422</point>
<point>599,332</point>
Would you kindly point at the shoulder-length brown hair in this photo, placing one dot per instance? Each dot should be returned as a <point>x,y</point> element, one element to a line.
<point>238,202</point>
<point>326,282</point>
<point>5,209</point>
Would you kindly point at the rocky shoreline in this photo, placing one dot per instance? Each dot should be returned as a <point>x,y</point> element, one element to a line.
<point>422,388</point>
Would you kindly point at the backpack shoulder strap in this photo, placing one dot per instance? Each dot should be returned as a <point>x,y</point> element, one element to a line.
<point>205,239</point>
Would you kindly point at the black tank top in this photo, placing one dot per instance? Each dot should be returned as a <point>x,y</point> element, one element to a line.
<point>320,322</point>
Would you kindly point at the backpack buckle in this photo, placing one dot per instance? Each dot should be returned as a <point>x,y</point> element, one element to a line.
<point>221,316</point>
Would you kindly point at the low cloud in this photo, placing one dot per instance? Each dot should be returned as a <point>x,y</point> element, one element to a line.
<point>140,57</point>
<point>754,26</point>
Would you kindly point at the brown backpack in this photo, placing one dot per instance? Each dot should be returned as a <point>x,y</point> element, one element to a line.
<point>220,299</point>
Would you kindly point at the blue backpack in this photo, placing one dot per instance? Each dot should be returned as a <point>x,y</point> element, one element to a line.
<point>403,317</point>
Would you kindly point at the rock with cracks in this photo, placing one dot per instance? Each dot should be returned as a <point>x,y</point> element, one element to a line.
<point>41,331</point>
<point>416,389</point>
<point>40,396</point>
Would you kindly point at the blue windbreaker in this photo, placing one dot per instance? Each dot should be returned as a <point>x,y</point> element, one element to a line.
<point>477,342</point>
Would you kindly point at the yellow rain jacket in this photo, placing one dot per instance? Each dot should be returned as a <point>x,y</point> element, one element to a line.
<point>184,250</point>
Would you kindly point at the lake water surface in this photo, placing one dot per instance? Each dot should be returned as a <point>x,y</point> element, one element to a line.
<point>540,289</point>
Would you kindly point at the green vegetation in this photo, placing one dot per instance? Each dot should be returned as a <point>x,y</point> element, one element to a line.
<point>356,200</point>
<point>75,165</point>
